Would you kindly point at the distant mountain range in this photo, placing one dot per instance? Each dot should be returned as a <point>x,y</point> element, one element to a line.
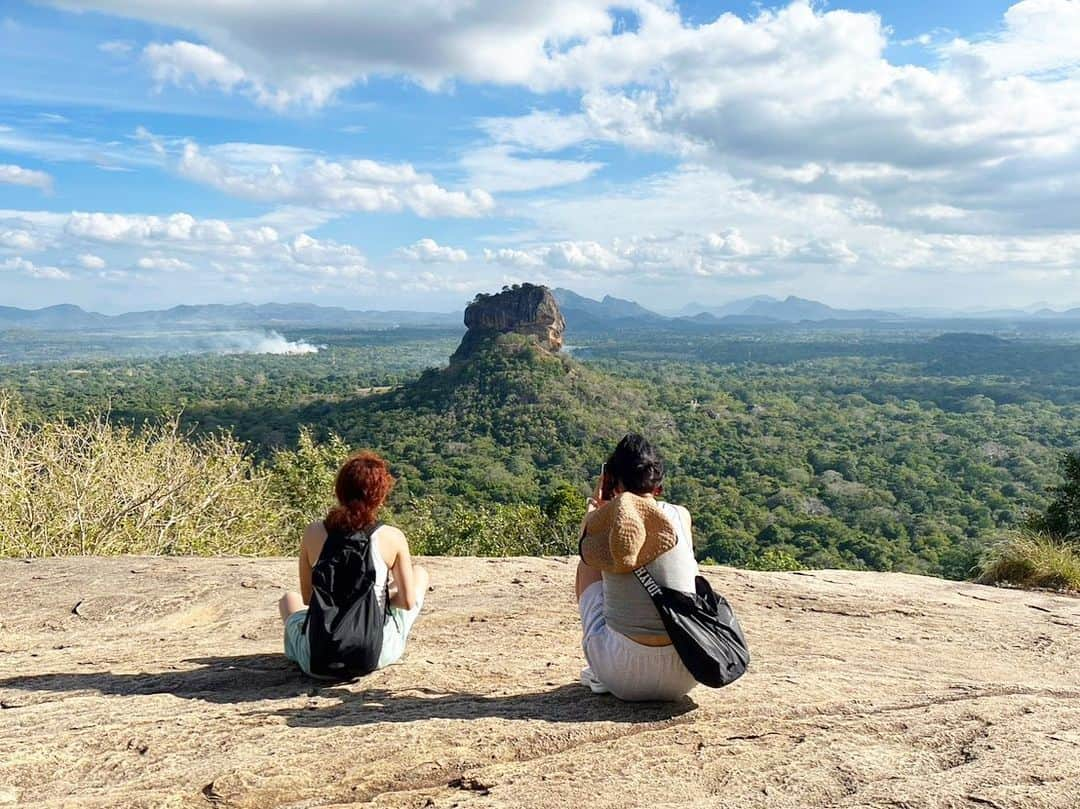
<point>66,317</point>
<point>789,310</point>
<point>581,313</point>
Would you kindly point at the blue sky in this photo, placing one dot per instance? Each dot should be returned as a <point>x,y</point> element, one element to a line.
<point>900,154</point>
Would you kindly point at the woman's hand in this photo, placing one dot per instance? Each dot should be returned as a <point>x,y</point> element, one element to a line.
<point>597,498</point>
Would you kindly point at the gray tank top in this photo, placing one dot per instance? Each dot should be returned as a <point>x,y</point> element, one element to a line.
<point>628,609</point>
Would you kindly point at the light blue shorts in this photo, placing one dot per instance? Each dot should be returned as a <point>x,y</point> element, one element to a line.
<point>395,633</point>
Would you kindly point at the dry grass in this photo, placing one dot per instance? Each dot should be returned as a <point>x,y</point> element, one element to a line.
<point>97,488</point>
<point>1029,559</point>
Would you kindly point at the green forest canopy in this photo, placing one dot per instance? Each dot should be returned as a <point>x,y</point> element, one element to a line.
<point>905,453</point>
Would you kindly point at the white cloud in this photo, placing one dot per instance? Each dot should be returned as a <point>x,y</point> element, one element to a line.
<point>184,64</point>
<point>327,258</point>
<point>137,229</point>
<point>509,257</point>
<point>286,53</point>
<point>180,62</point>
<point>18,239</point>
<point>429,251</point>
<point>939,212</point>
<point>284,174</point>
<point>27,267</point>
<point>728,243</point>
<point>826,251</point>
<point>91,262</point>
<point>205,250</point>
<point>578,256</point>
<point>797,142</point>
<point>1038,36</point>
<point>496,168</point>
<point>116,47</point>
<point>17,175</point>
<point>540,130</point>
<point>162,263</point>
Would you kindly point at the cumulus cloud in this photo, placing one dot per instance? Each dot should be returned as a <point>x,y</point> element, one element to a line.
<point>17,175</point>
<point>796,141</point>
<point>268,173</point>
<point>804,98</point>
<point>285,53</point>
<point>429,251</point>
<point>184,63</point>
<point>728,243</point>
<point>27,267</point>
<point>826,251</point>
<point>583,256</point>
<point>1038,36</point>
<point>136,229</point>
<point>207,249</point>
<point>18,239</point>
<point>509,257</point>
<point>497,168</point>
<point>162,263</point>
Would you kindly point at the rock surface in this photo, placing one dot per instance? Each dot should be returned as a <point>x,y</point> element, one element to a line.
<point>528,309</point>
<point>135,682</point>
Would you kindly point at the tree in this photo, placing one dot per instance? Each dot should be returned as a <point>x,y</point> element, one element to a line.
<point>1062,517</point>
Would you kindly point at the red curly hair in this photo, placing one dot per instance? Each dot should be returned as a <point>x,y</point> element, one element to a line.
<point>362,486</point>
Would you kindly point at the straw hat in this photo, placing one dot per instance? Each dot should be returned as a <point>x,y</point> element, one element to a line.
<point>625,533</point>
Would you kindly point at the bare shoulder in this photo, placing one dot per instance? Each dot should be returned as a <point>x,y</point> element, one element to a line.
<point>392,535</point>
<point>314,537</point>
<point>391,542</point>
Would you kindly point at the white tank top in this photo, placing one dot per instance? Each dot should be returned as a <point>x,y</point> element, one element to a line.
<point>382,572</point>
<point>628,608</point>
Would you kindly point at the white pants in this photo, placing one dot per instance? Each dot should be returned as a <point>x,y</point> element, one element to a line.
<point>630,670</point>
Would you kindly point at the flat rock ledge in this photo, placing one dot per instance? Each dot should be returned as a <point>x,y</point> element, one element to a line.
<point>136,682</point>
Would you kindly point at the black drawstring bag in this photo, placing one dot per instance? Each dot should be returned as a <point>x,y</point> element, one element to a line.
<point>703,629</point>
<point>344,622</point>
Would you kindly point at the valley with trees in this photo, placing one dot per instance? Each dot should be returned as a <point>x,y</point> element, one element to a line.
<point>854,446</point>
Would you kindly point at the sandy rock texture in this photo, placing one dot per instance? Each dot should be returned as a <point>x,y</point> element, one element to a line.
<point>134,682</point>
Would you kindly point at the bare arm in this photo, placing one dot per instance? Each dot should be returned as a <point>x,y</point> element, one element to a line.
<point>593,503</point>
<point>310,548</point>
<point>404,594</point>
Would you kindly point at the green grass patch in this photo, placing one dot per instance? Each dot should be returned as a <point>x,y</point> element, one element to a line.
<point>1028,559</point>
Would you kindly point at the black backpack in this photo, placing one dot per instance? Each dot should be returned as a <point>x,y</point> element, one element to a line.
<point>344,623</point>
<point>703,629</point>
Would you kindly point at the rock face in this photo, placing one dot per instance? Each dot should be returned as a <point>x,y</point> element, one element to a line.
<point>139,682</point>
<point>527,309</point>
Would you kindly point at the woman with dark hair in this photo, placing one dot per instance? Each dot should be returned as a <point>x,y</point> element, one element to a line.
<point>361,487</point>
<point>627,526</point>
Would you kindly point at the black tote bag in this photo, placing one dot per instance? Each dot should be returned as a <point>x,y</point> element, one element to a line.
<point>703,629</point>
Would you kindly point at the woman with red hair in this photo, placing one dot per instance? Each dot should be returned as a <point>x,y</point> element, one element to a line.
<point>362,486</point>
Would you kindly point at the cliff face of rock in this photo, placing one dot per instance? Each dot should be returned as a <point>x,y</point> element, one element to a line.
<point>527,309</point>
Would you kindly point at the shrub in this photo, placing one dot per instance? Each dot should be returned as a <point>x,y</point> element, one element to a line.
<point>302,479</point>
<point>91,487</point>
<point>1029,559</point>
<point>499,530</point>
<point>775,559</point>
